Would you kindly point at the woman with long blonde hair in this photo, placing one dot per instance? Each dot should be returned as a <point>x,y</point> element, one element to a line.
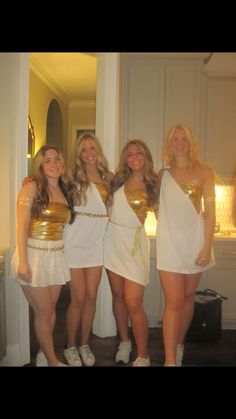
<point>84,245</point>
<point>184,234</point>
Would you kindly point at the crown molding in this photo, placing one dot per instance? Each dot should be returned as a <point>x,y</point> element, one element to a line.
<point>83,104</point>
<point>221,65</point>
<point>183,55</point>
<point>36,67</point>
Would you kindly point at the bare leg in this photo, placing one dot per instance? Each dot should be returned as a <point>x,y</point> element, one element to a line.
<point>134,299</point>
<point>43,301</point>
<point>118,304</point>
<point>190,285</point>
<point>173,286</point>
<point>77,287</point>
<point>93,278</point>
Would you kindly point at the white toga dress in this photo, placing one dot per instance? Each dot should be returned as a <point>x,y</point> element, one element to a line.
<point>84,237</point>
<point>180,230</point>
<point>126,245</point>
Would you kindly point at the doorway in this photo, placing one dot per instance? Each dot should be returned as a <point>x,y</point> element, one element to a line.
<point>54,126</point>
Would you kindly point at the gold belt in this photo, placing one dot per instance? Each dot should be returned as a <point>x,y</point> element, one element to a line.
<point>90,214</point>
<point>48,249</point>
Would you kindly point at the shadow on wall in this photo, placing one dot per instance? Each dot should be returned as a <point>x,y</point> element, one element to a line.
<point>54,129</point>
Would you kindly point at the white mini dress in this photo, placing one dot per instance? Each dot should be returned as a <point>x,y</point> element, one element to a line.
<point>84,238</point>
<point>46,257</point>
<point>126,245</point>
<point>180,230</point>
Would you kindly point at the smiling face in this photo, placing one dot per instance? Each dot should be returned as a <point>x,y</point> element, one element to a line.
<point>135,157</point>
<point>52,164</point>
<point>88,153</point>
<point>179,143</point>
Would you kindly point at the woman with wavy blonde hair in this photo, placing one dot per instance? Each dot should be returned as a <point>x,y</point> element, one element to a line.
<point>84,245</point>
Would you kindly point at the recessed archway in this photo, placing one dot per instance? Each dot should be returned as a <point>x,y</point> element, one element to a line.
<point>54,128</point>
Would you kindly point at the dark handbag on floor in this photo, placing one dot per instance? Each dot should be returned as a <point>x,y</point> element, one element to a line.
<point>206,322</point>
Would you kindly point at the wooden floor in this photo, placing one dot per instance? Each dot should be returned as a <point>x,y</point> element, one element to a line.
<point>222,353</point>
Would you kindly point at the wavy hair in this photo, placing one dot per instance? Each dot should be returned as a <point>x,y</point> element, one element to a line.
<point>79,168</point>
<point>168,156</point>
<point>65,182</point>
<point>123,172</point>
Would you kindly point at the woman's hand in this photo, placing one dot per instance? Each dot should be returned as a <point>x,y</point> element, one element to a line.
<point>27,179</point>
<point>204,257</point>
<point>24,272</point>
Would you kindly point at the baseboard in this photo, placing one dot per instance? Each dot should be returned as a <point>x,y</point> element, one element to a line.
<point>229,324</point>
<point>13,358</point>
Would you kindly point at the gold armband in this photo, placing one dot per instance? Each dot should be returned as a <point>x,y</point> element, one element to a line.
<point>209,198</point>
<point>25,201</point>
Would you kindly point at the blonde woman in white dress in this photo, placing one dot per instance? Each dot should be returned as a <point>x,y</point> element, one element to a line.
<point>84,245</point>
<point>126,246</point>
<point>184,234</point>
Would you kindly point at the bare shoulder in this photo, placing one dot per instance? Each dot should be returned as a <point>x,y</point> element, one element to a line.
<point>205,175</point>
<point>160,174</point>
<point>207,171</point>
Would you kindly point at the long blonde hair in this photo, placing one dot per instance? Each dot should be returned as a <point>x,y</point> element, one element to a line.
<point>168,156</point>
<point>79,168</point>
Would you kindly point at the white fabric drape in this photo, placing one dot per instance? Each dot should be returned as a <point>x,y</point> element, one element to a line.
<point>180,230</point>
<point>126,245</point>
<point>84,237</point>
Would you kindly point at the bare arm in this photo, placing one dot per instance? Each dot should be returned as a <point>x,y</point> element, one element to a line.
<point>209,216</point>
<point>159,177</point>
<point>24,204</point>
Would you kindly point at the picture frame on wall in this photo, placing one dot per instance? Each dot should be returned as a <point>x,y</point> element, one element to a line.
<point>79,131</point>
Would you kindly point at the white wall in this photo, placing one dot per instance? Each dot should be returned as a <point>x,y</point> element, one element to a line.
<point>40,97</point>
<point>80,116</point>
<point>13,166</point>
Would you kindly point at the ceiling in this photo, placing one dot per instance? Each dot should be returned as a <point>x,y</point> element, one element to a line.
<point>74,74</point>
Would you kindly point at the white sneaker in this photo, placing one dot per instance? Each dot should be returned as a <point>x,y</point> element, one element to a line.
<point>179,354</point>
<point>141,362</point>
<point>87,355</point>
<point>123,352</point>
<point>41,360</point>
<point>72,356</point>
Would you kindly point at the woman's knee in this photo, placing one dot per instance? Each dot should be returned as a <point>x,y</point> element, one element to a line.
<point>175,304</point>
